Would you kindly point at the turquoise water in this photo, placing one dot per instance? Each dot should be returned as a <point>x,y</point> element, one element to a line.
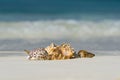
<point>59,6</point>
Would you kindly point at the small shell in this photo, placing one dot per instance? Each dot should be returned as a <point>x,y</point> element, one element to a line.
<point>85,54</point>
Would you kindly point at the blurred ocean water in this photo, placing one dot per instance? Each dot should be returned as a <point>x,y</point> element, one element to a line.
<point>92,25</point>
<point>57,29</point>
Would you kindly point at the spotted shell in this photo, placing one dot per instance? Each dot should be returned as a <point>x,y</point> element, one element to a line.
<point>38,54</point>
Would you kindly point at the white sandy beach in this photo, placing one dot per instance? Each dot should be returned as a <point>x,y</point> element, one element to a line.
<point>97,68</point>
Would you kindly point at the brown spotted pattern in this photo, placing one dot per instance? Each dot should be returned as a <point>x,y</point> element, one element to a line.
<point>38,54</point>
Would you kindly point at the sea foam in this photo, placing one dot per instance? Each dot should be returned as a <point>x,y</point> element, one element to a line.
<point>60,29</point>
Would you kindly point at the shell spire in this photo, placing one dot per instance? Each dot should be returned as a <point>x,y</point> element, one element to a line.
<point>27,51</point>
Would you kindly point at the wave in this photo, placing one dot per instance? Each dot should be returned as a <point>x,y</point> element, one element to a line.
<point>60,28</point>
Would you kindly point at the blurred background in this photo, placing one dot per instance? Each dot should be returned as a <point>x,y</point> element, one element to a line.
<point>93,25</point>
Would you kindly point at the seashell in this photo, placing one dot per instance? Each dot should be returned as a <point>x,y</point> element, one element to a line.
<point>37,54</point>
<point>67,51</point>
<point>64,51</point>
<point>50,48</point>
<point>85,54</point>
<point>55,52</point>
